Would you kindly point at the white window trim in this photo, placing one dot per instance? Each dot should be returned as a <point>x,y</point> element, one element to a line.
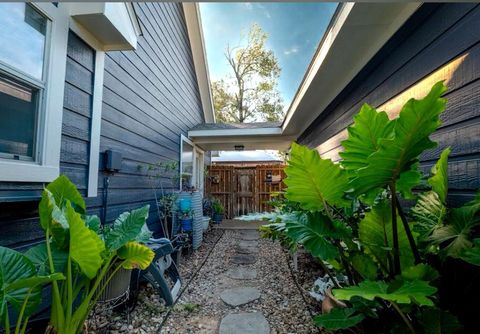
<point>196,151</point>
<point>96,119</point>
<point>47,166</point>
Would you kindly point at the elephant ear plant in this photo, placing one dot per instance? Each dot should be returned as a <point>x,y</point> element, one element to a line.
<point>20,288</point>
<point>87,254</point>
<point>350,217</point>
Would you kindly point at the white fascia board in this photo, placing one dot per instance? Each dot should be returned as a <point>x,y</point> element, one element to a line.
<point>235,132</point>
<point>195,34</point>
<point>357,33</point>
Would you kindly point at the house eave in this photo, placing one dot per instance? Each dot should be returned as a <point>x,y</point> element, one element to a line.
<point>195,34</point>
<point>357,33</point>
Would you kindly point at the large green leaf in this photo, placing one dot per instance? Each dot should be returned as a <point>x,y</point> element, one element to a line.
<point>126,227</point>
<point>365,266</point>
<point>436,321</point>
<point>375,234</point>
<point>439,178</point>
<point>338,318</point>
<point>364,135</point>
<point>86,247</point>
<point>52,217</point>
<point>14,267</point>
<point>312,181</point>
<point>455,235</point>
<point>39,257</point>
<point>135,256</point>
<point>418,119</point>
<point>313,234</point>
<point>472,255</point>
<point>64,190</point>
<point>408,180</point>
<point>420,271</point>
<point>429,213</point>
<point>415,291</point>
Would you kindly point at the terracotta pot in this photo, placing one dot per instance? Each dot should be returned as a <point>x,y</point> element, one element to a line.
<point>330,302</point>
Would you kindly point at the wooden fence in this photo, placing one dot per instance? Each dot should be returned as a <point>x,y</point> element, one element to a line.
<point>244,190</point>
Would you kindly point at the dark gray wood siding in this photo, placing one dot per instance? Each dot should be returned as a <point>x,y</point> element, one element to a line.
<point>439,42</point>
<point>150,98</point>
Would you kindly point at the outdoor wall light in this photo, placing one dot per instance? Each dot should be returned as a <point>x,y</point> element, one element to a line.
<point>239,147</point>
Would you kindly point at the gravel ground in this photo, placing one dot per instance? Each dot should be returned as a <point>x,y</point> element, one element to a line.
<point>150,310</point>
<point>200,308</point>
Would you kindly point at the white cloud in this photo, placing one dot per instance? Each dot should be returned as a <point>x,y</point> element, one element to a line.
<point>293,49</point>
<point>258,155</point>
<point>248,5</point>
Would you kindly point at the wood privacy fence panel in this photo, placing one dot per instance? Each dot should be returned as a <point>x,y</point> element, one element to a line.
<point>244,190</point>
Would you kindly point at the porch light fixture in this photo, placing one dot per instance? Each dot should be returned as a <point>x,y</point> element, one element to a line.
<point>239,147</point>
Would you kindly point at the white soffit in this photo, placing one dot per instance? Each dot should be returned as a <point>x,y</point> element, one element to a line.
<point>114,24</point>
<point>358,32</point>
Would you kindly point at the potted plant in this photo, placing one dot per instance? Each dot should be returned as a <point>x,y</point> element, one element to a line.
<point>186,220</point>
<point>218,211</point>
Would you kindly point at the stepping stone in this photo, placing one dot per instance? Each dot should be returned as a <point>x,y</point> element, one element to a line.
<point>248,243</point>
<point>248,235</point>
<point>239,296</point>
<point>242,273</point>
<point>244,323</point>
<point>243,259</point>
<point>247,250</point>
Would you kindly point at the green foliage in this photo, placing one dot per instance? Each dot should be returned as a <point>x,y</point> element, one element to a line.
<point>399,291</point>
<point>217,207</point>
<point>87,254</point>
<point>338,318</point>
<point>436,321</point>
<point>375,234</point>
<point>20,287</point>
<point>439,179</point>
<point>364,136</point>
<point>472,255</point>
<point>313,181</point>
<point>396,153</point>
<point>365,266</point>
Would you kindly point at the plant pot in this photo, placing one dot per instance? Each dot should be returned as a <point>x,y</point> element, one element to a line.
<point>117,287</point>
<point>217,218</point>
<point>330,302</point>
<point>187,224</point>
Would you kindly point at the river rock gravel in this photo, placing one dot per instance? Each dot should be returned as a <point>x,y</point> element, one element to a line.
<point>200,308</point>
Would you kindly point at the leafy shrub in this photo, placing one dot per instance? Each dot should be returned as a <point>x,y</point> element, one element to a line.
<point>351,217</point>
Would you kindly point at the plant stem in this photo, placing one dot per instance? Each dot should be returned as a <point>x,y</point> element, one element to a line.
<point>69,283</point>
<point>404,317</point>
<point>22,312</point>
<point>7,323</point>
<point>329,273</point>
<point>411,240</point>
<point>396,248</point>
<point>57,309</point>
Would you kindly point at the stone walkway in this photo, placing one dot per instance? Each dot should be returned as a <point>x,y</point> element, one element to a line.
<point>245,287</point>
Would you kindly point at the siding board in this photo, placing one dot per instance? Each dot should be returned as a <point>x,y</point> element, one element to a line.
<point>150,98</point>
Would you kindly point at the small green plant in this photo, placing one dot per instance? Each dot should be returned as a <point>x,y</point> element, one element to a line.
<point>217,207</point>
<point>20,288</point>
<point>87,254</point>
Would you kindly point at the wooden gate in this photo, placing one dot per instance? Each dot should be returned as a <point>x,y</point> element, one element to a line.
<point>244,190</point>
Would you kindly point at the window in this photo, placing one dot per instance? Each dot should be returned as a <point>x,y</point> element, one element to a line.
<point>186,165</point>
<point>21,85</point>
<point>33,43</point>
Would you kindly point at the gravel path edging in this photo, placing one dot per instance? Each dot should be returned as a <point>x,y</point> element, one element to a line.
<point>190,281</point>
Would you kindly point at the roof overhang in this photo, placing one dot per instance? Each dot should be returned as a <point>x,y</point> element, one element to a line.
<point>267,138</point>
<point>357,32</point>
<point>195,34</point>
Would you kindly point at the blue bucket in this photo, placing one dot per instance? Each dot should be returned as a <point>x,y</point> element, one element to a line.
<point>186,223</point>
<point>185,204</point>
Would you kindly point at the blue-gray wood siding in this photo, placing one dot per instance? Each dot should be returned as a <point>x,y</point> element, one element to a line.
<point>150,97</point>
<point>433,37</point>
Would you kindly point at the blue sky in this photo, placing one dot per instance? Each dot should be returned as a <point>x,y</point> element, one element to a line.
<point>294,30</point>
